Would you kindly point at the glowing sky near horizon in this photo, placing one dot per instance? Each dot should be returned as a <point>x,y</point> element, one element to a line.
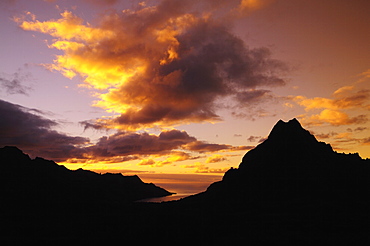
<point>185,86</point>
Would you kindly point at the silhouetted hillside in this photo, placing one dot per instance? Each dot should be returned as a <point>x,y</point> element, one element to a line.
<point>289,190</point>
<point>41,182</point>
<point>292,167</point>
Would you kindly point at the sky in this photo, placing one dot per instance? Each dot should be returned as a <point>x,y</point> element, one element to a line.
<point>178,91</point>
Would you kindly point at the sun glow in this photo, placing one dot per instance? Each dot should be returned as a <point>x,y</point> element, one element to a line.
<point>157,67</point>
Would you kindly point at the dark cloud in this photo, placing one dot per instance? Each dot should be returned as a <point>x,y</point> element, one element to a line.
<point>128,143</point>
<point>357,99</point>
<point>327,135</point>
<point>211,63</point>
<point>262,140</point>
<point>14,84</point>
<point>360,129</point>
<point>21,127</point>
<point>366,141</point>
<point>145,144</point>
<point>323,135</point>
<point>252,113</point>
<point>253,96</point>
<point>26,129</point>
<point>102,2</point>
<point>254,138</point>
<point>147,162</point>
<point>163,65</point>
<point>203,147</point>
<point>129,158</point>
<point>243,147</point>
<point>360,119</point>
<point>215,159</point>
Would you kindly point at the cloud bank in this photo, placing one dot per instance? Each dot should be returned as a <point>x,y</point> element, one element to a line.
<point>27,129</point>
<point>162,65</point>
<point>174,145</point>
<point>22,127</point>
<point>349,105</point>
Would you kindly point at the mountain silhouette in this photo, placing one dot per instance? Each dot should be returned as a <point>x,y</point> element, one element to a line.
<point>289,190</point>
<point>292,167</point>
<point>42,182</point>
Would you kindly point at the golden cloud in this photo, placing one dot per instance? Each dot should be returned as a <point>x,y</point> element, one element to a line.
<point>343,98</point>
<point>215,158</point>
<point>175,156</point>
<point>160,65</point>
<point>153,150</point>
<point>366,141</point>
<point>147,162</point>
<point>204,147</point>
<point>335,118</point>
<point>250,5</point>
<point>337,110</point>
<point>201,168</point>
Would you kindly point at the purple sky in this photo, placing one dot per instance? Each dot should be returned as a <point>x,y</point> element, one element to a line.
<point>163,87</point>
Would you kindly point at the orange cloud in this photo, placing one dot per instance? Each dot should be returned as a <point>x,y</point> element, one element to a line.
<point>212,170</point>
<point>160,65</point>
<point>366,141</point>
<point>215,158</point>
<point>343,98</point>
<point>128,143</point>
<point>339,109</point>
<point>201,168</point>
<point>147,162</point>
<point>251,5</point>
<point>335,118</point>
<point>349,141</point>
<point>169,147</point>
<point>204,147</point>
<point>175,156</point>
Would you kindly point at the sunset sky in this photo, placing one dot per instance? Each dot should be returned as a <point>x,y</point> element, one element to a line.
<point>180,87</point>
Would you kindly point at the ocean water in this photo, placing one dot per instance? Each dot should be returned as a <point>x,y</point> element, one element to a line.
<point>182,185</point>
<point>172,197</point>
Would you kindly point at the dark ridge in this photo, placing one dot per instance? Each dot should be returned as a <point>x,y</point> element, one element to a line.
<point>45,182</point>
<point>291,130</point>
<point>292,167</point>
<point>289,190</point>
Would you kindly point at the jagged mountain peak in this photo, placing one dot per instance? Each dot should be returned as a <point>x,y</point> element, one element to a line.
<point>293,123</point>
<point>292,166</point>
<point>288,142</point>
<point>290,131</point>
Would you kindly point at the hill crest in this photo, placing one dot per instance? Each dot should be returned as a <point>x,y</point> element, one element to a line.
<point>43,180</point>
